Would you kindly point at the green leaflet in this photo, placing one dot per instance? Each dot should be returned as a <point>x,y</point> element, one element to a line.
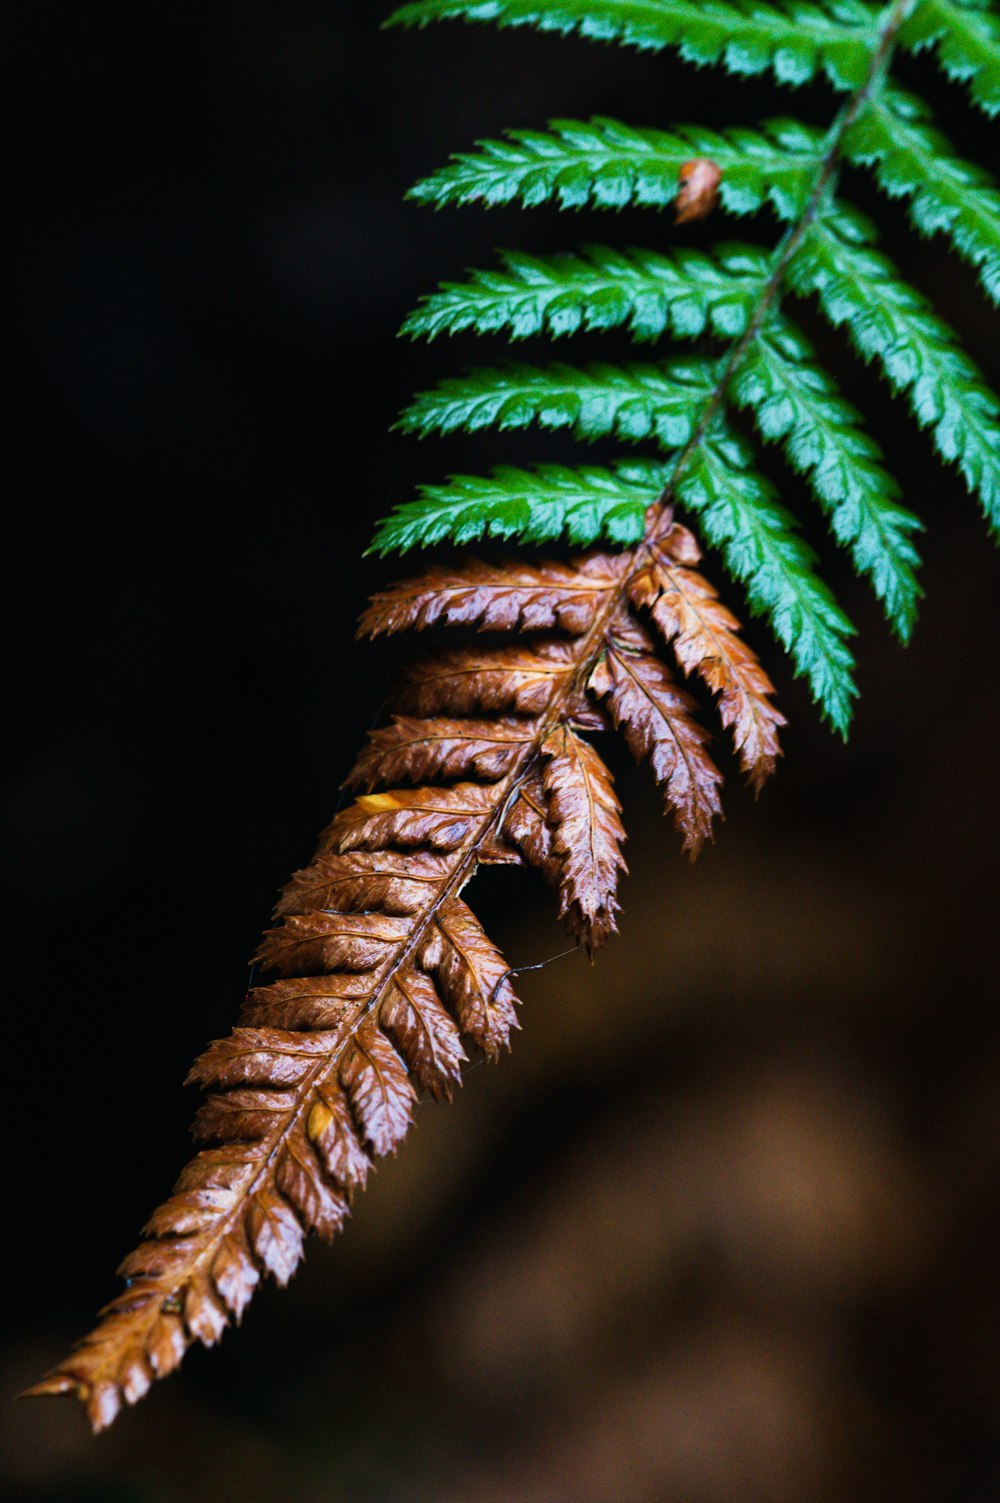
<point>631,401</point>
<point>792,398</point>
<point>603,164</point>
<point>584,505</point>
<point>966,38</point>
<point>920,355</point>
<point>688,293</point>
<point>794,38</point>
<point>914,160</point>
<point>737,511</point>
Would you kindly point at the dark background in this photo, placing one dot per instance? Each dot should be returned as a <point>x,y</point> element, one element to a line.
<point>724,1225</point>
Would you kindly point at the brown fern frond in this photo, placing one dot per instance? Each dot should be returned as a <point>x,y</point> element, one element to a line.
<point>381,977</point>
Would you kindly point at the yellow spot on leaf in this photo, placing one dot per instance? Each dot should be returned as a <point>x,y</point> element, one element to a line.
<point>319,1120</point>
<point>375,802</point>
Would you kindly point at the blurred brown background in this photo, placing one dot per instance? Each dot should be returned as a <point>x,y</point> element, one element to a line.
<point>724,1227</point>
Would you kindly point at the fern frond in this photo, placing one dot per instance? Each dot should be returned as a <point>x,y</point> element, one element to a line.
<point>603,164</point>
<point>893,133</point>
<point>795,39</point>
<point>382,977</point>
<point>889,320</point>
<point>965,35</point>
<point>538,506</point>
<point>632,401</point>
<point>688,293</point>
<point>738,513</point>
<point>792,398</point>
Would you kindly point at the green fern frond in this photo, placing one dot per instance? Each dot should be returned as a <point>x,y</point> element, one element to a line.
<point>911,159</point>
<point>631,401</point>
<point>888,319</point>
<point>729,294</point>
<point>737,511</point>
<point>603,164</point>
<point>795,39</point>
<point>688,293</point>
<point>792,398</point>
<point>966,38</point>
<point>584,505</point>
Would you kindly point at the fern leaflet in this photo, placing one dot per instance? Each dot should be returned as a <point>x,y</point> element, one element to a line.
<point>539,505</point>
<point>913,160</point>
<point>795,39</point>
<point>632,401</point>
<point>739,514</point>
<point>604,164</point>
<point>792,398</point>
<point>966,37</point>
<point>891,321</point>
<point>600,288</point>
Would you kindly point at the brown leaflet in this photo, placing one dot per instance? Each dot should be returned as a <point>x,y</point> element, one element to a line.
<point>301,1181</point>
<point>705,638</point>
<point>220,1174</point>
<point>274,1233</point>
<point>305,1003</point>
<point>330,1129</point>
<point>261,1056</point>
<point>417,751</point>
<point>358,880</point>
<point>326,941</point>
<point>526,832</point>
<point>677,545</point>
<point>472,976</point>
<point>470,680</point>
<point>442,818</point>
<point>205,1317</point>
<point>234,1274</point>
<point>423,1032</point>
<point>242,1115</point>
<point>655,715</point>
<point>586,833</point>
<point>501,597</point>
<point>209,1187</point>
<point>378,1088</point>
